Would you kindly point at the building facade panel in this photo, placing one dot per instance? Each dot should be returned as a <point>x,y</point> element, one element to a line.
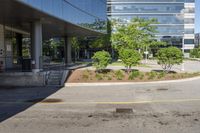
<point>87,13</point>
<point>175,17</point>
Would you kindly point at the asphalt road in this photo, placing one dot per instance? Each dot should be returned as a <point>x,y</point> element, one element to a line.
<point>157,108</point>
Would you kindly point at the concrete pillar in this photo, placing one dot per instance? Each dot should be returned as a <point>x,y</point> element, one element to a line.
<point>19,47</point>
<point>67,51</point>
<point>2,48</point>
<point>36,47</point>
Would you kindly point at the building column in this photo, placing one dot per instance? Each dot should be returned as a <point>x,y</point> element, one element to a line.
<point>67,51</point>
<point>2,49</point>
<point>19,47</point>
<point>36,47</point>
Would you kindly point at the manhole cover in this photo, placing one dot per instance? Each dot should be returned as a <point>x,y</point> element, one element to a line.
<point>50,100</point>
<point>162,89</point>
<point>124,110</point>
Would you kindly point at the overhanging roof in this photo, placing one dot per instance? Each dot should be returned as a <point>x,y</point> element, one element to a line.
<point>18,15</point>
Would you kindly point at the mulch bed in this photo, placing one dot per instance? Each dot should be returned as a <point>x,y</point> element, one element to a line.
<point>91,76</point>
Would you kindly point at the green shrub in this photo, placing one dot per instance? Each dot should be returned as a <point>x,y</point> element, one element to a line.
<point>109,78</point>
<point>101,60</point>
<point>119,74</point>
<point>129,58</point>
<point>161,75</point>
<point>133,75</point>
<point>195,53</point>
<point>167,57</point>
<point>152,75</point>
<point>98,76</point>
<point>141,76</point>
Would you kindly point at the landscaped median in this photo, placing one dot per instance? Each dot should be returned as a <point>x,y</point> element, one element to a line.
<point>92,76</point>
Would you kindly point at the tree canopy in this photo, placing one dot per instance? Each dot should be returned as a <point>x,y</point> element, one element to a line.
<point>138,34</point>
<point>167,57</point>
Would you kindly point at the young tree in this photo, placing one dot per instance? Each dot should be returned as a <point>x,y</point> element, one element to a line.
<point>50,47</point>
<point>195,53</point>
<point>76,46</point>
<point>103,41</point>
<point>138,34</point>
<point>167,57</point>
<point>129,57</point>
<point>101,59</point>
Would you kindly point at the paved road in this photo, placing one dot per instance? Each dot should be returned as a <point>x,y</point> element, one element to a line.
<point>157,108</point>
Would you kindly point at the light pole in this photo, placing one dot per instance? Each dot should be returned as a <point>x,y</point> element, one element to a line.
<point>183,51</point>
<point>146,54</point>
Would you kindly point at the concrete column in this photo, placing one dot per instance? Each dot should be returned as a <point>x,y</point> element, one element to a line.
<point>19,46</point>
<point>2,48</point>
<point>67,51</point>
<point>36,40</point>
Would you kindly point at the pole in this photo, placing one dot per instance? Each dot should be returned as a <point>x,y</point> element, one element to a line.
<point>146,55</point>
<point>183,65</point>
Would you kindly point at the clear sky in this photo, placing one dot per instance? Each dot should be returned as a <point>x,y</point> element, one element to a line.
<point>197,23</point>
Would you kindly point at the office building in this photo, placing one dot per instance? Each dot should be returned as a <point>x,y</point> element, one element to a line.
<point>39,20</point>
<point>175,18</point>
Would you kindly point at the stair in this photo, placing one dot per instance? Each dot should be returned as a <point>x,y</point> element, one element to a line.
<point>54,78</point>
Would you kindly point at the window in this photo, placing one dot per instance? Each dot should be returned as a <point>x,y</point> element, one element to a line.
<point>189,41</point>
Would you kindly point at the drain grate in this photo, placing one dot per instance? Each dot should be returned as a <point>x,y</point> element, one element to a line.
<point>50,100</point>
<point>124,110</point>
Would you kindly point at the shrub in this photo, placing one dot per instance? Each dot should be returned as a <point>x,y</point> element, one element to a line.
<point>167,57</point>
<point>119,74</point>
<point>86,74</point>
<point>101,60</point>
<point>152,75</point>
<point>98,76</point>
<point>133,75</point>
<point>141,76</point>
<point>195,53</point>
<point>130,58</point>
<point>161,75</point>
<point>109,78</point>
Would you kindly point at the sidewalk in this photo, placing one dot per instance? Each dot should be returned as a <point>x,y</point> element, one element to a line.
<point>189,66</point>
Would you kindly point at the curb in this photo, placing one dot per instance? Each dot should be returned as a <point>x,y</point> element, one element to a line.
<point>129,83</point>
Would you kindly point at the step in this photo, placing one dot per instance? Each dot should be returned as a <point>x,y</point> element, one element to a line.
<point>53,83</point>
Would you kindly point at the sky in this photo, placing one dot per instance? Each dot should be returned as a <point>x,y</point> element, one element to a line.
<point>197,23</point>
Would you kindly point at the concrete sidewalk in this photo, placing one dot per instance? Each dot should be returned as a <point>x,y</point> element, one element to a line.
<point>189,66</point>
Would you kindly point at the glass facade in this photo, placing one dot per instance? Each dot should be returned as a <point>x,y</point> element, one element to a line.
<point>175,17</point>
<point>86,13</point>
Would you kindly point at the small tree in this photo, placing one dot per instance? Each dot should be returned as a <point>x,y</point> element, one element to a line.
<point>129,57</point>
<point>101,59</point>
<point>167,57</point>
<point>195,53</point>
<point>76,46</point>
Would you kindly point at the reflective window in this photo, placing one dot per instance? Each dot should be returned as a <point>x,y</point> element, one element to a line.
<point>86,13</point>
<point>162,19</point>
<point>190,1</point>
<point>147,8</point>
<point>169,14</point>
<point>189,41</point>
